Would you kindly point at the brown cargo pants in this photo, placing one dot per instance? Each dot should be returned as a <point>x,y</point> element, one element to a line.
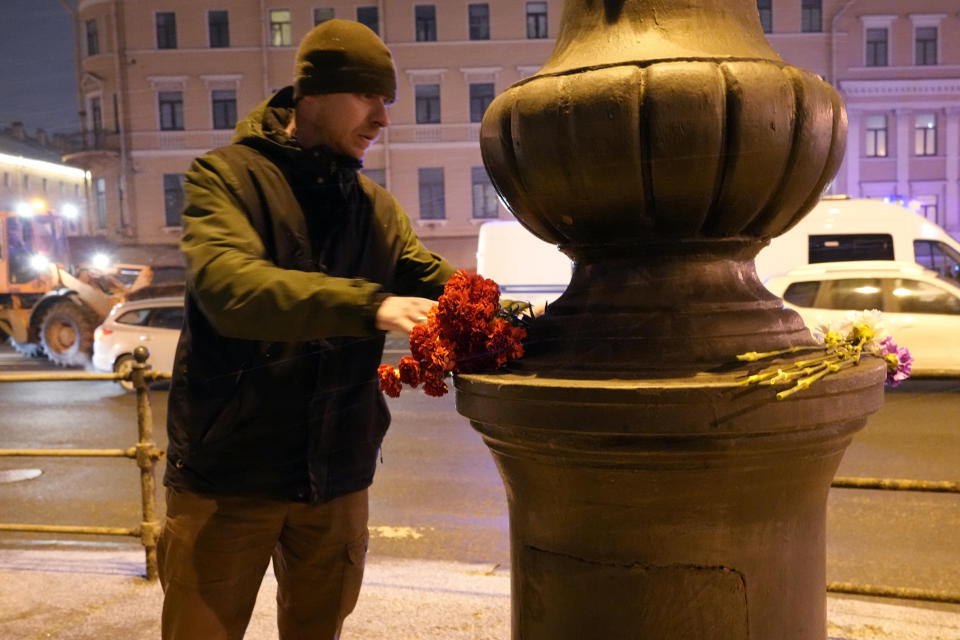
<point>213,552</point>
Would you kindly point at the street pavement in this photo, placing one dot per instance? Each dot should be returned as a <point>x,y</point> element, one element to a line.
<point>87,594</point>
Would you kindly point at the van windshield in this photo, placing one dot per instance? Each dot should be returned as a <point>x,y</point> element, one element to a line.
<point>939,257</point>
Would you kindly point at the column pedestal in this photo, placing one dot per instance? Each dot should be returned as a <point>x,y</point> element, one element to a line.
<point>686,508</point>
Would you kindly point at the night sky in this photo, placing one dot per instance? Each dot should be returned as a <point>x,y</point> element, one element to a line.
<point>37,67</point>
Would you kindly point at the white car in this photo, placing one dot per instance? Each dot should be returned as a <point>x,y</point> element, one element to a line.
<point>154,323</point>
<point>921,309</point>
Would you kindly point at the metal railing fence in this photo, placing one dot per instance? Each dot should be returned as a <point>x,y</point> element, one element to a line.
<point>883,591</point>
<point>145,452</point>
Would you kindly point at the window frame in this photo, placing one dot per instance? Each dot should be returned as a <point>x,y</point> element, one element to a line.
<point>538,26</point>
<point>925,137</point>
<point>100,197</point>
<point>879,137</point>
<point>872,48</point>
<point>482,26</point>
<point>476,99</point>
<point>431,104</point>
<point>920,56</point>
<point>175,113</point>
<point>172,205</point>
<point>926,204</point>
<point>166,32</point>
<point>316,16</point>
<point>432,194</point>
<point>92,39</point>
<point>425,22</point>
<point>228,107</point>
<point>281,32</point>
<point>222,41</point>
<point>765,13</point>
<point>811,16</point>
<point>374,12</point>
<point>488,202</point>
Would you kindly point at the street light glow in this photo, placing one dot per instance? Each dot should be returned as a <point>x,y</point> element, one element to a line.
<point>70,211</point>
<point>100,261</point>
<point>39,262</point>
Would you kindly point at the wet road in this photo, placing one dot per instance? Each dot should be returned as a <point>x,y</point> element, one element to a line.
<point>438,495</point>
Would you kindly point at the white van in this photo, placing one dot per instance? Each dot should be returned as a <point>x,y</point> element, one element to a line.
<point>838,229</point>
<point>843,229</point>
<point>526,268</point>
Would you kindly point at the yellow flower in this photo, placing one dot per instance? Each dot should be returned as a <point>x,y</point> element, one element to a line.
<point>862,333</point>
<point>832,339</point>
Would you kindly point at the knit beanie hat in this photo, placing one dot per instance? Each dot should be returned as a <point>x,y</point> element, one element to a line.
<point>343,56</point>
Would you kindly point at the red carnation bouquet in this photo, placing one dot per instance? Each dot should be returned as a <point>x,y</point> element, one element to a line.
<point>467,331</point>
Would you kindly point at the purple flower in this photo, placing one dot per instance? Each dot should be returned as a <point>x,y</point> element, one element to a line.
<point>898,361</point>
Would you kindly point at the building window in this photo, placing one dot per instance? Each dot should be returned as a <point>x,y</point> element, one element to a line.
<point>811,16</point>
<point>219,26</point>
<point>485,201</point>
<point>927,206</point>
<point>479,21</point>
<point>173,198</point>
<point>280,33</point>
<point>425,21</point>
<point>370,17</point>
<point>96,115</point>
<point>100,187</point>
<point>926,45</point>
<point>322,14</point>
<point>26,181</point>
<point>876,136</point>
<point>93,38</point>
<point>166,30</point>
<point>171,110</point>
<point>377,175</point>
<point>432,205</point>
<point>481,95</point>
<point>536,20</point>
<point>765,10</point>
<point>876,47</point>
<point>925,134</point>
<point>224,103</point>
<point>428,103</point>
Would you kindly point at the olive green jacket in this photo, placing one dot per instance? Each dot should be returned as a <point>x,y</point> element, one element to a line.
<point>289,254</point>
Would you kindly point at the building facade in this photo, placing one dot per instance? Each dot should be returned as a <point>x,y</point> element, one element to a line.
<point>162,82</point>
<point>34,180</point>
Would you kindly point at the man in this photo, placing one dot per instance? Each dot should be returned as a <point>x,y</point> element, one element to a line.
<point>296,266</point>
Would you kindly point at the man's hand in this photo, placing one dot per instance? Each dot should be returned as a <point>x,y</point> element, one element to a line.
<point>401,313</point>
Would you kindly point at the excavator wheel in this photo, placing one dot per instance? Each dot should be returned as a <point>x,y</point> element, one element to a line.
<point>66,333</point>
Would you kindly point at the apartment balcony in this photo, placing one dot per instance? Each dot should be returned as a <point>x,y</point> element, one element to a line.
<point>465,133</point>
<point>193,141</point>
<point>84,147</point>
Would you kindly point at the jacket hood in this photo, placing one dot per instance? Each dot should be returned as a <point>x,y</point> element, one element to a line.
<point>264,129</point>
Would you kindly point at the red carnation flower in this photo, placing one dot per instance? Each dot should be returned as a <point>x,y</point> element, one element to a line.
<point>389,380</point>
<point>409,371</point>
<point>462,334</point>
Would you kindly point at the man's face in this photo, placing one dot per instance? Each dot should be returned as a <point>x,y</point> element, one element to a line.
<point>347,123</point>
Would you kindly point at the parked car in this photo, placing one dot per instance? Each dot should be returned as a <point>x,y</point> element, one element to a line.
<point>154,323</point>
<point>921,309</point>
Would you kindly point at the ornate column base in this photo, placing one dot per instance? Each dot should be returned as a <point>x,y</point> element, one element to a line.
<point>686,508</point>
